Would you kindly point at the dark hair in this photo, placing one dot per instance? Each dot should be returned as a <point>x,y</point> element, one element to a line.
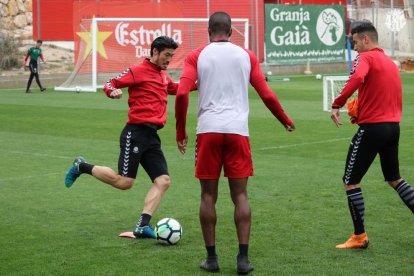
<point>39,41</point>
<point>365,27</point>
<point>163,42</point>
<point>219,23</point>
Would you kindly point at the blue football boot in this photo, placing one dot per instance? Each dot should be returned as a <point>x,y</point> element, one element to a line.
<point>144,232</point>
<point>73,173</point>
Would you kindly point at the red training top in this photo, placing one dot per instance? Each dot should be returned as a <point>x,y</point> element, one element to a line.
<point>377,79</point>
<point>148,87</point>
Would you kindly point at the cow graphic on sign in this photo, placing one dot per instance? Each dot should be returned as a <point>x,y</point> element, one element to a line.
<point>329,27</point>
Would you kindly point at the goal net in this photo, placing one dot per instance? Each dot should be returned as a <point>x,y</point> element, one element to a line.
<point>332,87</point>
<point>104,47</point>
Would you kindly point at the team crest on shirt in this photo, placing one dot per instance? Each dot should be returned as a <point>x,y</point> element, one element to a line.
<point>135,150</point>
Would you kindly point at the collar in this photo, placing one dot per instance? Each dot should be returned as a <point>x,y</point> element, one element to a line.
<point>220,39</point>
<point>152,65</point>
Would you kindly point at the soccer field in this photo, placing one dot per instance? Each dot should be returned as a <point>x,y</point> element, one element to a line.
<point>299,206</point>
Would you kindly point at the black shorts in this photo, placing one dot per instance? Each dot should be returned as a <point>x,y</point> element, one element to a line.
<point>33,66</point>
<point>371,139</point>
<point>141,144</point>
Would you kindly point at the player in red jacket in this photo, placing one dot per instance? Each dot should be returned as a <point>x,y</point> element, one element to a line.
<point>378,82</point>
<point>148,87</point>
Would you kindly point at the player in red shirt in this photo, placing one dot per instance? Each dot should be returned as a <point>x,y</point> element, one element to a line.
<point>148,88</point>
<point>223,72</point>
<point>378,82</point>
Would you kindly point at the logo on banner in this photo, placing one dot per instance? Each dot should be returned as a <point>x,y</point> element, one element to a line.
<point>141,38</point>
<point>330,27</point>
<point>395,20</point>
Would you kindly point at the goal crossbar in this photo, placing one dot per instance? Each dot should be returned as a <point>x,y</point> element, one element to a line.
<point>101,19</point>
<point>241,28</point>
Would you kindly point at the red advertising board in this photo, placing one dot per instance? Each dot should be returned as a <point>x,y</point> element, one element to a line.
<point>60,19</point>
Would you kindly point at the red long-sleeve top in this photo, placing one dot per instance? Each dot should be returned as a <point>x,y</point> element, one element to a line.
<point>377,79</point>
<point>148,88</point>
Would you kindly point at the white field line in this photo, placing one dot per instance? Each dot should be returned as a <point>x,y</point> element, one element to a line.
<point>38,154</point>
<point>30,176</point>
<point>320,142</point>
<point>308,143</point>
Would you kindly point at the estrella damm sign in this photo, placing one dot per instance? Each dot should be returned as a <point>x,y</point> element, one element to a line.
<point>298,33</point>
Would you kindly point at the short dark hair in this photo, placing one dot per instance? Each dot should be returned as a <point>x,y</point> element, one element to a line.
<point>163,42</point>
<point>365,27</point>
<point>219,23</point>
<point>39,41</point>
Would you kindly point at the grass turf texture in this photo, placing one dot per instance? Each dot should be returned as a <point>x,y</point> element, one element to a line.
<point>299,207</point>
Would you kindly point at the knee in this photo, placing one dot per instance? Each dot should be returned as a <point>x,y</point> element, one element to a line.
<point>163,182</point>
<point>125,183</point>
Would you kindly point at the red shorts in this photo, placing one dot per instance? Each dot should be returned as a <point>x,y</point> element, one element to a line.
<point>217,150</point>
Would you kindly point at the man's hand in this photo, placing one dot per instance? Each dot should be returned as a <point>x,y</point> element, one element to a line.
<point>336,116</point>
<point>182,145</point>
<point>116,94</point>
<point>290,128</point>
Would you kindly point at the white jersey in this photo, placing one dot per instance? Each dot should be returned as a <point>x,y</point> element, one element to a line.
<point>223,71</point>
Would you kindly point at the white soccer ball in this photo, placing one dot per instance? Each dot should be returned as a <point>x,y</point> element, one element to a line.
<point>77,89</point>
<point>318,76</point>
<point>269,73</point>
<point>169,231</point>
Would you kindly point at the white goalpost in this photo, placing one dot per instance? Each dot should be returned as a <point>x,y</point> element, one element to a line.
<point>332,87</point>
<point>108,46</point>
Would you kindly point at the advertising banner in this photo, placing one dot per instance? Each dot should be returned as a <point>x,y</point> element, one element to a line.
<point>296,34</point>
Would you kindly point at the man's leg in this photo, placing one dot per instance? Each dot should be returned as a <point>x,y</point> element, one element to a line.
<point>208,220</point>
<point>356,207</point>
<point>390,167</point>
<point>155,194</point>
<point>405,191</point>
<point>361,154</point>
<point>104,174</point>
<point>38,82</point>
<point>242,219</point>
<point>109,176</point>
<point>152,200</point>
<point>29,82</point>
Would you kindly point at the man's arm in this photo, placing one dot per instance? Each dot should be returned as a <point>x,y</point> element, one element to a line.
<point>356,79</point>
<point>25,59</point>
<point>112,86</point>
<point>259,83</point>
<point>187,83</point>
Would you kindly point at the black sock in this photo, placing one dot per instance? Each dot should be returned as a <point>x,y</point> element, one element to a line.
<point>211,251</point>
<point>357,209</point>
<point>243,249</point>
<point>86,168</point>
<point>406,193</point>
<point>144,220</point>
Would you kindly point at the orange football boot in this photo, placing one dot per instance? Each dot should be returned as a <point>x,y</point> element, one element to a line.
<point>355,241</point>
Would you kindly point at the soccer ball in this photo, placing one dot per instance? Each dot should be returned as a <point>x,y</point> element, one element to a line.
<point>77,89</point>
<point>318,76</point>
<point>269,73</point>
<point>169,231</point>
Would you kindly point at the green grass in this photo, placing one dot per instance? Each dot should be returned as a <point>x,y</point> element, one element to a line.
<point>299,207</point>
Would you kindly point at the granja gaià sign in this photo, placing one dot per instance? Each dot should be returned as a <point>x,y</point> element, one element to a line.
<point>298,33</point>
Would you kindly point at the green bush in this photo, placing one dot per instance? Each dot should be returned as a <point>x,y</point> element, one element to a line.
<point>9,53</point>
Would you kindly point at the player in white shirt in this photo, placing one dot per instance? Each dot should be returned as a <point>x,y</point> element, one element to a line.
<point>223,72</point>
